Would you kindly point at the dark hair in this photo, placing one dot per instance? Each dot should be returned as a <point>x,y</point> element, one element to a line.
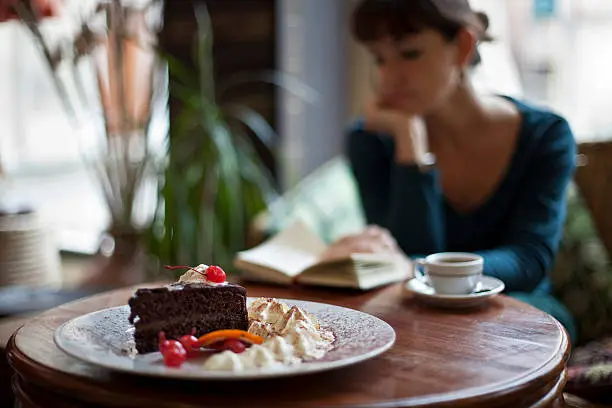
<point>375,19</point>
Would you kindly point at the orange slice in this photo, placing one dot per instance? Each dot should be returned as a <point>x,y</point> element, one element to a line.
<point>221,335</point>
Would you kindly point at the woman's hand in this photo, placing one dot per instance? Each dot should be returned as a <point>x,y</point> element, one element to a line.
<point>409,131</point>
<point>373,240</point>
<point>381,117</point>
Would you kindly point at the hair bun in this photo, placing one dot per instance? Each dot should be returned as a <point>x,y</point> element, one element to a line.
<point>483,20</point>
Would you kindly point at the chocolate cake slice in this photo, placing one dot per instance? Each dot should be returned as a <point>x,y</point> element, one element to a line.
<point>177,308</point>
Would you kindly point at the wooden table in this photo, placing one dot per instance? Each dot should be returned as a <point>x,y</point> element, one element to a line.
<point>507,354</point>
<point>8,326</point>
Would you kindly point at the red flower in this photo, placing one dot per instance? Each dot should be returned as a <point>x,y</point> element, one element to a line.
<point>6,11</point>
<point>40,8</point>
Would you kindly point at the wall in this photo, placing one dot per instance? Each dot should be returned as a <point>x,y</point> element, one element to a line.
<point>312,39</point>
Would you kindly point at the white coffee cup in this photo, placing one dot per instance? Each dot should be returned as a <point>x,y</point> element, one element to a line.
<point>450,273</point>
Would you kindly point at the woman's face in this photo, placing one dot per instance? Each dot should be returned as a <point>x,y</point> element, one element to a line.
<point>418,73</point>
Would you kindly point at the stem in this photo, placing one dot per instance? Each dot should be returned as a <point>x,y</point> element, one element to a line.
<point>157,82</point>
<point>78,83</point>
<point>107,188</point>
<point>26,15</point>
<point>117,24</point>
<point>111,163</point>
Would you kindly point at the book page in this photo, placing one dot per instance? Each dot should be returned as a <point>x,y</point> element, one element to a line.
<point>289,252</point>
<point>360,270</point>
<point>357,258</point>
<point>377,259</point>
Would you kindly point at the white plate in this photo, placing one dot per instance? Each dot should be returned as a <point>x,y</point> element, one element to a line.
<point>105,338</point>
<point>488,288</point>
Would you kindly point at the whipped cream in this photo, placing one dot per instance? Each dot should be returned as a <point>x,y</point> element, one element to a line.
<point>198,276</point>
<point>267,311</point>
<point>273,353</point>
<point>291,335</point>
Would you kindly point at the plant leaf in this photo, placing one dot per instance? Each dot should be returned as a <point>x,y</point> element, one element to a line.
<point>215,181</point>
<point>185,94</point>
<point>280,79</point>
<point>255,122</point>
<point>178,71</point>
<point>229,186</point>
<point>205,53</point>
<point>207,195</point>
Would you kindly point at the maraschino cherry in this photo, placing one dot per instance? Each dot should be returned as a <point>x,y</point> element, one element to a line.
<point>190,343</point>
<point>215,274</point>
<point>173,352</point>
<point>163,344</point>
<point>175,356</point>
<point>234,345</point>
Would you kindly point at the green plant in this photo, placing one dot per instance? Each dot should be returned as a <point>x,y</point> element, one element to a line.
<point>214,181</point>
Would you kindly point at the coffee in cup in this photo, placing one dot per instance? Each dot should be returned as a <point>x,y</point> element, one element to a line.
<point>450,273</point>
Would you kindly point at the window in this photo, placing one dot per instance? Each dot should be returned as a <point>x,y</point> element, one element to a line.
<point>564,61</point>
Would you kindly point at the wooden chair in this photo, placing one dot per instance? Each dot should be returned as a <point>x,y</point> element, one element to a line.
<point>594,179</point>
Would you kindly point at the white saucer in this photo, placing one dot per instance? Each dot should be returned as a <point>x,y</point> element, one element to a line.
<point>487,288</point>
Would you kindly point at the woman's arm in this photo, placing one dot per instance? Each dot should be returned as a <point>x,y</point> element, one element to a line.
<point>367,154</point>
<point>535,226</point>
<point>399,197</point>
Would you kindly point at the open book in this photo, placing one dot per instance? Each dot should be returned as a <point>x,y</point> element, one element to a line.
<point>293,255</point>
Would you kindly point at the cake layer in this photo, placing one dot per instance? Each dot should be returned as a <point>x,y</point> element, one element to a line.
<point>146,337</point>
<point>176,309</point>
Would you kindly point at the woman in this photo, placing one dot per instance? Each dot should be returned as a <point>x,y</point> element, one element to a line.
<point>441,168</point>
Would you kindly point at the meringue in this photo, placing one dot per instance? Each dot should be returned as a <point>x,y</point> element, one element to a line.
<point>291,335</point>
<point>267,310</point>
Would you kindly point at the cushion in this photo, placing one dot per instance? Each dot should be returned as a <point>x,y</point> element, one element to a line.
<point>590,371</point>
<point>327,201</point>
<point>582,276</point>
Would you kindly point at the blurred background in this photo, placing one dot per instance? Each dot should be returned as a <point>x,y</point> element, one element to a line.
<point>141,133</point>
<point>551,52</point>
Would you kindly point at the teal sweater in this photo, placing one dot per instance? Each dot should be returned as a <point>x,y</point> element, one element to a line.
<point>517,230</point>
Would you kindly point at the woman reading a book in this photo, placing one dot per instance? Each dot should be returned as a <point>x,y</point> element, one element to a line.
<point>441,168</point>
